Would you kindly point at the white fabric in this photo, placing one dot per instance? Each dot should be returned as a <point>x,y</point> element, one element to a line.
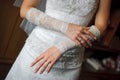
<point>94,30</point>
<point>65,45</point>
<point>68,66</point>
<point>21,69</point>
<point>40,18</point>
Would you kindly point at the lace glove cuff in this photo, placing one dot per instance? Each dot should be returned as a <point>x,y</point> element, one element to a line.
<point>38,17</point>
<point>65,45</point>
<point>94,30</point>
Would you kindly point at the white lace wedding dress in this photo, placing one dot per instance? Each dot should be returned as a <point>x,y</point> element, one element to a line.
<point>68,66</point>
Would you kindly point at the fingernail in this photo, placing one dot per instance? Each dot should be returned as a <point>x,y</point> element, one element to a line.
<point>95,38</point>
<point>35,71</point>
<point>90,45</point>
<point>40,72</point>
<point>82,41</point>
<point>47,72</point>
<point>31,65</point>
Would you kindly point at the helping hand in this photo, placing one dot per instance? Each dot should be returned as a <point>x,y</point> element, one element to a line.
<point>47,59</point>
<point>80,35</point>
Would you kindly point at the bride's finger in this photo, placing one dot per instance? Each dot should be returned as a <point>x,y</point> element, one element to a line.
<point>79,39</point>
<point>87,32</point>
<point>76,41</point>
<point>85,38</point>
<point>37,59</point>
<point>86,28</point>
<point>39,65</point>
<point>50,66</point>
<point>82,42</point>
<point>44,66</point>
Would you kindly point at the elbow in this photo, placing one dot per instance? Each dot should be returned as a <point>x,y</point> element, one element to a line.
<point>102,24</point>
<point>23,11</point>
<point>101,27</point>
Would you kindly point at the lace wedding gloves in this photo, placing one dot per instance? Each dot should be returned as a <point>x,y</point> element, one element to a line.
<point>65,45</point>
<point>68,43</point>
<point>94,30</point>
<point>40,18</point>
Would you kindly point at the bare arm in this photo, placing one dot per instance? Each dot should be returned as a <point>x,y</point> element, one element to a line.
<point>102,16</point>
<point>27,4</point>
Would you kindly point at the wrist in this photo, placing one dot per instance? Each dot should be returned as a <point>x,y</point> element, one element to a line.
<point>65,45</point>
<point>64,27</point>
<point>95,31</point>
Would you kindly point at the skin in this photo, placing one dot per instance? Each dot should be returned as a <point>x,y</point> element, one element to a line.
<point>47,59</point>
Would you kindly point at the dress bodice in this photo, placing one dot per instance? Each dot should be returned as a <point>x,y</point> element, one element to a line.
<point>73,11</point>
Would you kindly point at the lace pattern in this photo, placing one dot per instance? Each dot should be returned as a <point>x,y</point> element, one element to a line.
<point>36,45</point>
<point>75,14</point>
<point>40,18</point>
<point>73,11</point>
<point>74,7</point>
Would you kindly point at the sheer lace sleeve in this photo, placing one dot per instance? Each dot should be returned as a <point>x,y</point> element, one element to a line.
<point>40,18</point>
<point>65,45</point>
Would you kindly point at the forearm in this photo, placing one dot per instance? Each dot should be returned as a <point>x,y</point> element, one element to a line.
<point>40,18</point>
<point>102,17</point>
<point>26,5</point>
<point>65,45</point>
<point>37,17</point>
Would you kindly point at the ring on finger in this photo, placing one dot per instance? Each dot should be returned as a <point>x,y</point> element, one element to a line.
<point>79,38</point>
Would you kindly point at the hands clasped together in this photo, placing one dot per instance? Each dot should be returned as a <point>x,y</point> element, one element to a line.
<point>47,59</point>
<point>78,36</point>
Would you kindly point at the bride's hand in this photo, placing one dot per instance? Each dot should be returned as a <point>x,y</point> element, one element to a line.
<point>80,35</point>
<point>46,60</point>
